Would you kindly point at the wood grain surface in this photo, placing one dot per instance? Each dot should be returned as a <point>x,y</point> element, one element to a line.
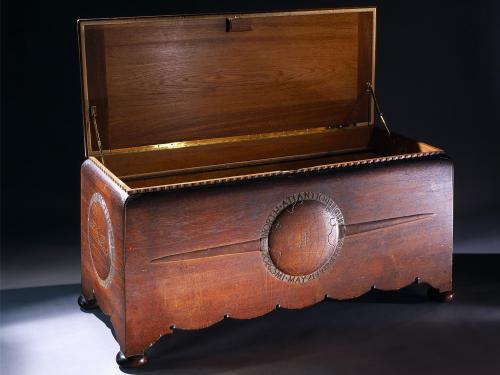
<point>174,276</point>
<point>166,79</point>
<point>108,292</point>
<point>283,202</point>
<point>194,255</point>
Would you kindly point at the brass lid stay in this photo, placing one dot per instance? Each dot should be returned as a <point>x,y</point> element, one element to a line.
<point>93,118</point>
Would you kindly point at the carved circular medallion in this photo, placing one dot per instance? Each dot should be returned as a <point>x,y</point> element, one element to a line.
<point>100,238</point>
<point>302,237</point>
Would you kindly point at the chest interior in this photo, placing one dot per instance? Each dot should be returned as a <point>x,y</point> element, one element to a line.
<point>256,156</point>
<point>170,100</point>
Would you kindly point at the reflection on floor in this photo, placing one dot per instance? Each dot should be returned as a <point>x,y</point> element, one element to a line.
<point>44,332</point>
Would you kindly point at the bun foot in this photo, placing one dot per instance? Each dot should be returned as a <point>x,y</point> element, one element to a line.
<point>134,361</point>
<point>436,295</point>
<point>87,305</point>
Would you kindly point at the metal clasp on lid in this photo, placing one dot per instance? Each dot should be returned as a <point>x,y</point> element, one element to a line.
<point>237,23</point>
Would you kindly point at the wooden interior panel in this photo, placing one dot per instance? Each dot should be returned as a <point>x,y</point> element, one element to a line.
<point>301,146</point>
<point>246,170</point>
<point>169,79</point>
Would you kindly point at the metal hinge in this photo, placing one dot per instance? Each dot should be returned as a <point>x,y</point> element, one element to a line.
<point>93,118</point>
<point>369,90</point>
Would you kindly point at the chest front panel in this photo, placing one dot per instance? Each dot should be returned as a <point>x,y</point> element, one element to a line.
<point>243,249</point>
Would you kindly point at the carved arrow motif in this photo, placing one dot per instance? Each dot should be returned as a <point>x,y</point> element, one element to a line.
<point>254,245</point>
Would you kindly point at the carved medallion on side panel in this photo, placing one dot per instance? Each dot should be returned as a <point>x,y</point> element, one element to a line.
<point>100,239</point>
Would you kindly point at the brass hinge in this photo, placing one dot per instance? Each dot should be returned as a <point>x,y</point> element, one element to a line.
<point>369,90</point>
<point>93,118</point>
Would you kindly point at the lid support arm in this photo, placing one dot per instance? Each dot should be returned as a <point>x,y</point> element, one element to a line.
<point>93,116</point>
<point>369,90</point>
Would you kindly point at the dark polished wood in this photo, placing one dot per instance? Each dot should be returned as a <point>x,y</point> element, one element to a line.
<point>285,209</point>
<point>87,305</point>
<point>99,190</point>
<point>195,255</point>
<point>391,249</point>
<point>131,362</point>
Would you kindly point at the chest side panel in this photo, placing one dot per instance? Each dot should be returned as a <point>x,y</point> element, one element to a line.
<point>102,225</point>
<point>194,256</point>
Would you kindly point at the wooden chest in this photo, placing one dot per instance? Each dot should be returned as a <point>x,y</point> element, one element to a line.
<point>237,163</point>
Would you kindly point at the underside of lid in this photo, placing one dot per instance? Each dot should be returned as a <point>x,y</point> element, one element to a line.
<point>175,80</point>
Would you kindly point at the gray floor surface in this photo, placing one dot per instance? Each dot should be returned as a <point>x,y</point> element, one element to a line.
<point>43,331</point>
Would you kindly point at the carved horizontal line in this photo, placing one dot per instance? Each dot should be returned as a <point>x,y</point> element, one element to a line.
<point>369,226</point>
<point>238,248</point>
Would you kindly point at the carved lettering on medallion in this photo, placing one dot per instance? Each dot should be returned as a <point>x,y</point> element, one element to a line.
<point>302,237</point>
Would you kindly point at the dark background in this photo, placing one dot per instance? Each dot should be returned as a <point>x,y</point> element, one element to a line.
<point>438,80</point>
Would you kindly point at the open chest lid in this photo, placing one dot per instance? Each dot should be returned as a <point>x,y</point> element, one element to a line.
<point>163,82</point>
